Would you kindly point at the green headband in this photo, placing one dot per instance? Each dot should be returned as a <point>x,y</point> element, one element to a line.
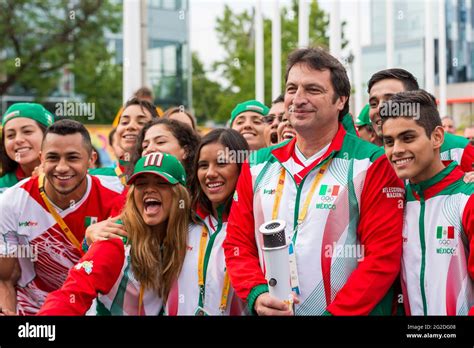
<point>363,119</point>
<point>249,105</point>
<point>29,110</point>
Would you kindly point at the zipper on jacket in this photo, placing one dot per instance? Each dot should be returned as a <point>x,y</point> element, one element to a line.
<point>299,190</point>
<point>421,228</point>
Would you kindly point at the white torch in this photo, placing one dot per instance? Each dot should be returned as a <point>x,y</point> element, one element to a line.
<point>275,253</point>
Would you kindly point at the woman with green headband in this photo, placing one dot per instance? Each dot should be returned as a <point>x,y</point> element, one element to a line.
<point>23,126</point>
<point>134,276</point>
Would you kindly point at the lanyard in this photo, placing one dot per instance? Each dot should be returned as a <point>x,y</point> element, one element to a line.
<point>121,175</point>
<point>279,193</point>
<point>57,217</point>
<point>204,256</point>
<point>140,299</point>
<point>302,215</point>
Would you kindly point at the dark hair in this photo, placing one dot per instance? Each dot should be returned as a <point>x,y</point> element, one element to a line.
<point>98,161</point>
<point>9,165</point>
<point>68,127</point>
<point>406,78</point>
<point>111,136</point>
<point>428,117</point>
<point>318,59</point>
<point>233,141</point>
<point>144,105</point>
<point>279,99</point>
<point>144,92</point>
<point>187,139</point>
<point>177,109</point>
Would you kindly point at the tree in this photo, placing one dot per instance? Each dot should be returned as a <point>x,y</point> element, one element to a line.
<point>38,39</point>
<point>98,79</point>
<point>235,32</point>
<point>205,92</point>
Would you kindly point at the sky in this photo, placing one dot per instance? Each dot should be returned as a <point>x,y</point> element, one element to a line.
<point>204,13</point>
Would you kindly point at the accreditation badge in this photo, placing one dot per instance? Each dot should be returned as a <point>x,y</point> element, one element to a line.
<point>200,312</point>
<point>295,284</point>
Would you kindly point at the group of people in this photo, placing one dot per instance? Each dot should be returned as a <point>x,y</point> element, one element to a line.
<point>173,228</point>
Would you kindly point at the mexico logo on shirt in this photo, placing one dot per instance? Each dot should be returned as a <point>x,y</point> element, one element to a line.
<point>327,196</point>
<point>90,220</point>
<point>445,238</point>
<point>444,232</point>
<point>329,190</point>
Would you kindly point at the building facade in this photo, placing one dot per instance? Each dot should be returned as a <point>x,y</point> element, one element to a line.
<point>410,51</point>
<point>168,56</point>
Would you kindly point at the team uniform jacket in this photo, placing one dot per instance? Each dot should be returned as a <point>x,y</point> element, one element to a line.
<point>184,296</point>
<point>26,225</point>
<point>457,148</point>
<point>348,248</point>
<point>104,273</point>
<point>438,245</point>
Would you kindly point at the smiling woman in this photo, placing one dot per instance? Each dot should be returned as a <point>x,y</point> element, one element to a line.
<point>23,126</point>
<point>170,136</point>
<point>135,115</point>
<point>246,118</point>
<point>285,130</point>
<point>203,280</point>
<point>134,276</point>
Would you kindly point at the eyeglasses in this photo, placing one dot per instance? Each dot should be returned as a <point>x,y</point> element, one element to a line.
<point>270,118</point>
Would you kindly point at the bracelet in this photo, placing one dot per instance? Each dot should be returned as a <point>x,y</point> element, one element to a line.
<point>85,246</point>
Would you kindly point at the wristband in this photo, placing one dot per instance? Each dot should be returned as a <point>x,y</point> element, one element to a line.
<point>85,246</point>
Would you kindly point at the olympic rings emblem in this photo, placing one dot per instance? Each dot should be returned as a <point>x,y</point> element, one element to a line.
<point>327,199</point>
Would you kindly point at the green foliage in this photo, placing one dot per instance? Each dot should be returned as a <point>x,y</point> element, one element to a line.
<point>235,32</point>
<point>205,92</point>
<point>40,38</point>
